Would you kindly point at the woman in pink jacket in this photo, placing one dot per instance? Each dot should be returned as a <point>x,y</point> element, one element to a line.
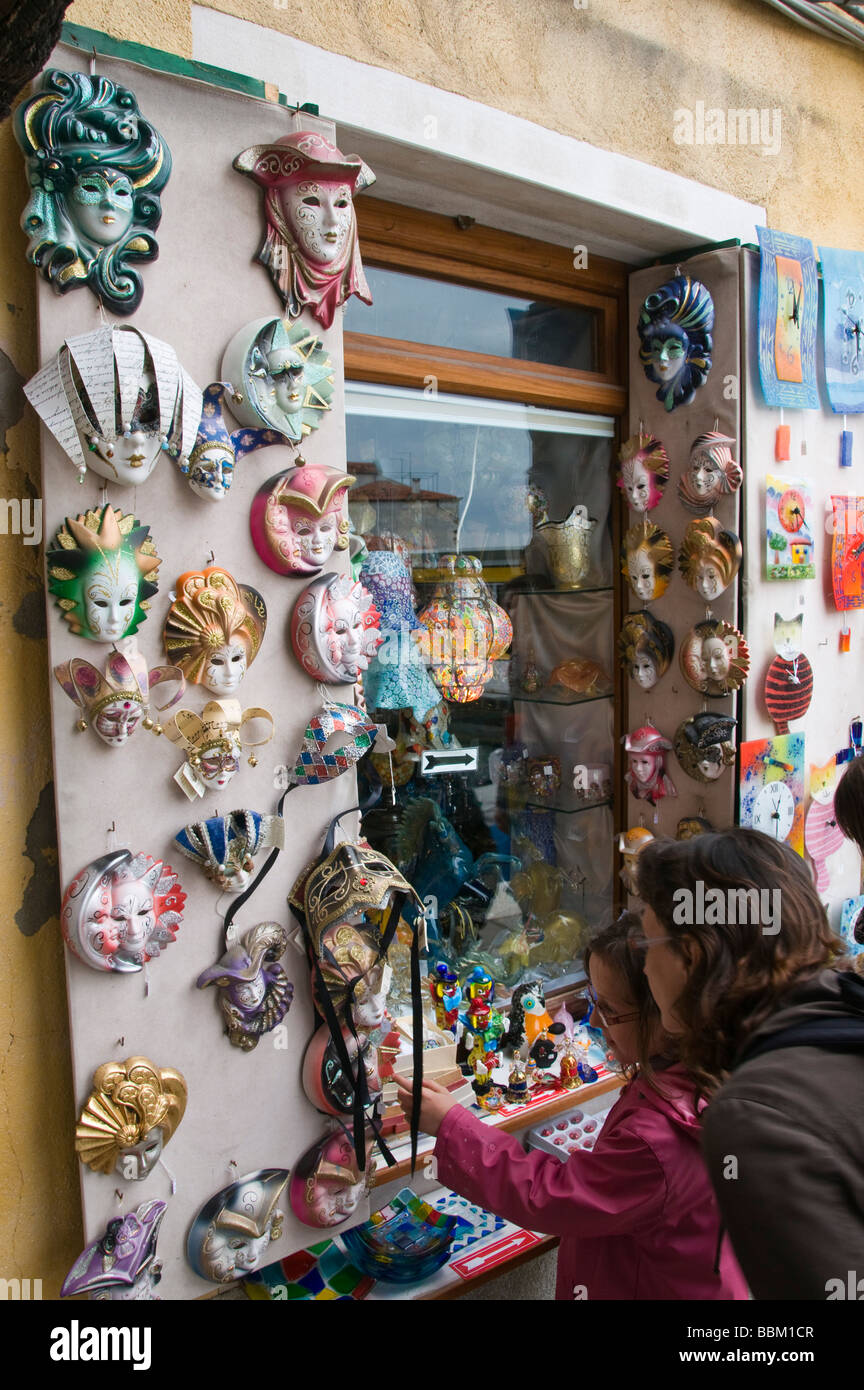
<point>636,1215</point>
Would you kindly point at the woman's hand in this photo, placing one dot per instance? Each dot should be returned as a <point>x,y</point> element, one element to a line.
<point>434,1103</point>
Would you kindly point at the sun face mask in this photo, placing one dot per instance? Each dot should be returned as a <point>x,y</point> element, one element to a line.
<point>115,703</point>
<point>214,628</point>
<point>254,992</point>
<point>121,1266</point>
<point>714,658</point>
<point>335,629</point>
<point>232,1232</point>
<point>297,518</point>
<point>215,740</point>
<point>121,911</point>
<point>115,399</point>
<point>96,169</point>
<point>311,246</point>
<point>102,572</point>
<point>284,375</point>
<point>132,1112</point>
<point>209,469</point>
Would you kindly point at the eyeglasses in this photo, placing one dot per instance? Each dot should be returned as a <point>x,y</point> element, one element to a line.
<point>609,1020</point>
<point>643,943</point>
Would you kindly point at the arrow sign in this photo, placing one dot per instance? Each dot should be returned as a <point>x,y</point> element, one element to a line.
<point>491,1255</point>
<point>434,760</point>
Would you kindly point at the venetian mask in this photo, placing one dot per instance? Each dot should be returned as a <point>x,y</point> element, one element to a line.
<point>644,472</point>
<point>121,1266</point>
<point>121,911</point>
<point>712,473</point>
<point>209,469</point>
<point>645,647</point>
<point>232,1232</point>
<point>630,845</point>
<point>102,572</point>
<point>114,399</point>
<point>310,247</point>
<point>468,631</point>
<point>675,324</point>
<point>214,628</point>
<point>327,1084</point>
<point>704,745</point>
<point>333,741</point>
<point>690,826</point>
<point>297,518</point>
<point>133,1110</point>
<point>214,740</point>
<point>117,702</point>
<point>710,557</point>
<point>284,374</point>
<point>334,629</point>
<point>96,169</point>
<point>714,657</point>
<point>327,1183</point>
<point>226,846</point>
<point>646,773</point>
<point>647,561</point>
<point>255,994</point>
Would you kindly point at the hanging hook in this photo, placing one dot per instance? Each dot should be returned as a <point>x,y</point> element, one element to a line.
<point>93,63</point>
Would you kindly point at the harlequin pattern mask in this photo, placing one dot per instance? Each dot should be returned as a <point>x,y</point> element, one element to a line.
<point>214,628</point>
<point>675,325</point>
<point>255,994</point>
<point>118,701</point>
<point>209,469</point>
<point>226,846</point>
<point>96,169</point>
<point>231,1234</point>
<point>121,1266</point>
<point>704,745</point>
<point>121,911</point>
<point>310,247</point>
<point>327,1184</point>
<point>102,572</point>
<point>115,399</point>
<point>334,629</point>
<point>133,1110</point>
<point>214,740</point>
<point>319,758</point>
<point>297,518</point>
<point>284,375</point>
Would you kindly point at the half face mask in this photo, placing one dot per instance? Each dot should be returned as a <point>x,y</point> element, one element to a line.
<point>711,473</point>
<point>121,1266</point>
<point>714,657</point>
<point>675,325</point>
<point>285,377</point>
<point>297,518</point>
<point>255,994</point>
<point>118,701</point>
<point>96,169</point>
<point>710,557</point>
<point>133,1110</point>
<point>704,745</point>
<point>209,469</point>
<point>311,246</point>
<point>214,628</point>
<point>327,1184</point>
<point>647,561</point>
<point>215,740</point>
<point>231,1234</point>
<point>226,846</point>
<point>644,472</point>
<point>121,911</point>
<point>645,646</point>
<point>102,572</point>
<point>334,629</point>
<point>334,740</point>
<point>115,399</point>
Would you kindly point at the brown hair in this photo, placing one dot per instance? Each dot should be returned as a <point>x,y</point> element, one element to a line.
<point>849,803</point>
<point>612,945</point>
<point>740,975</point>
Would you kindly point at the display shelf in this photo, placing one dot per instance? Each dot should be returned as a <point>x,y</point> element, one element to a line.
<point>540,697</point>
<point>564,806</point>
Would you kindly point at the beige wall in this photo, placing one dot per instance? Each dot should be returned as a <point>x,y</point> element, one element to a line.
<point>612,74</point>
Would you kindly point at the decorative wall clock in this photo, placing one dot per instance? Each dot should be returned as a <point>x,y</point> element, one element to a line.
<point>772,788</point>
<point>822,835</point>
<point>789,682</point>
<point>843,324</point>
<point>847,552</point>
<point>788,538</point>
<point>788,298</point>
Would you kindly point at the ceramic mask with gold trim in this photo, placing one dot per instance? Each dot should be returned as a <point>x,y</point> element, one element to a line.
<point>705,746</point>
<point>226,847</point>
<point>711,473</point>
<point>132,1112</point>
<point>644,471</point>
<point>115,703</point>
<point>298,518</point>
<point>209,468</point>
<point>335,629</point>
<point>254,992</point>
<point>214,741</point>
<point>214,628</point>
<point>327,1184</point>
<point>645,647</point>
<point>714,657</point>
<point>121,1265</point>
<point>232,1233</point>
<point>283,374</point>
<point>675,326</point>
<point>121,911</point>
<point>102,572</point>
<point>647,561</point>
<point>710,557</point>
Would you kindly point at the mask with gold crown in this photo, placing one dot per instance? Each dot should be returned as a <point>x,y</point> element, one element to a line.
<point>214,628</point>
<point>115,702</point>
<point>102,571</point>
<point>214,741</point>
<point>132,1112</point>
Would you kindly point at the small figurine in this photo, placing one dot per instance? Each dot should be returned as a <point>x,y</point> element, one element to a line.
<point>543,1051</point>
<point>482,1083</point>
<point>528,1016</point>
<point>121,1266</point>
<point>517,1084</point>
<point>531,679</point>
<point>710,557</point>
<point>712,473</point>
<point>479,985</point>
<point>586,1073</point>
<point>570,1077</point>
<point>254,992</point>
<point>674,326</point>
<point>646,774</point>
<point>645,646</point>
<point>446,995</point>
<point>644,471</point>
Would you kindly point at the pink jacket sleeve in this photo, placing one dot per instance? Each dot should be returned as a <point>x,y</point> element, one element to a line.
<point>594,1193</point>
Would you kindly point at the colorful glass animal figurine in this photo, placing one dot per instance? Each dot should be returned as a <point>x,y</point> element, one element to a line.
<point>644,471</point>
<point>121,1265</point>
<point>113,704</point>
<point>645,647</point>
<point>297,518</point>
<point>121,911</point>
<point>674,326</point>
<point>132,1112</point>
<point>96,169</point>
<point>233,1231</point>
<point>214,628</point>
<point>528,1015</point>
<point>646,774</point>
<point>311,246</point>
<point>284,375</point>
<point>711,473</point>
<point>102,572</point>
<point>254,992</point>
<point>789,682</point>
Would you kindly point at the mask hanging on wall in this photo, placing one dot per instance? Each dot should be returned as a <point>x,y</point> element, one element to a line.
<point>209,470</point>
<point>102,572</point>
<point>215,740</point>
<point>298,518</point>
<point>311,245</point>
<point>131,1114</point>
<point>214,628</point>
<point>96,169</point>
<point>334,740</point>
<point>704,745</point>
<point>690,826</point>
<point>647,561</point>
<point>328,1183</point>
<point>630,845</point>
<point>789,682</point>
<point>646,772</point>
<point>644,471</point>
<point>226,846</point>
<point>121,911</point>
<point>711,474</point>
<point>714,658</point>
<point>118,701</point>
<point>283,374</point>
<point>115,399</point>
<point>710,557</point>
<point>334,629</point>
<point>233,1231</point>
<point>254,992</point>
<point>675,326</point>
<point>645,648</point>
<point>468,631</point>
<point>121,1266</point>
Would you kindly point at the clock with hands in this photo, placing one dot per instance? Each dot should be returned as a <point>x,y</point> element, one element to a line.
<point>843,324</point>
<point>774,810</point>
<point>772,788</point>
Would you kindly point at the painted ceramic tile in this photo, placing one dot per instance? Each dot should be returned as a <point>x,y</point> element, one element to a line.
<point>788,299</point>
<point>789,547</point>
<point>772,788</point>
